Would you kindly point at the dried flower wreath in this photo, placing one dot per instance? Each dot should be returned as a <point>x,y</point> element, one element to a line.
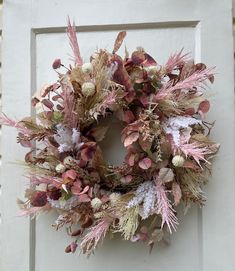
<point>162,109</point>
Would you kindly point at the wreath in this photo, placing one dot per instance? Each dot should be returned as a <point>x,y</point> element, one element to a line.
<point>168,151</point>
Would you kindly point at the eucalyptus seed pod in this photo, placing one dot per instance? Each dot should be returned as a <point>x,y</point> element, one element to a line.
<point>76,232</point>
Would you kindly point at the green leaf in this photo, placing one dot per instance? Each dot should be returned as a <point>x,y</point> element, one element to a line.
<point>57,116</point>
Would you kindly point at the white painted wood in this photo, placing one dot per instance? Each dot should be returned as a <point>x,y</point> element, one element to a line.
<point>0,103</point>
<point>14,235</point>
<point>205,240</point>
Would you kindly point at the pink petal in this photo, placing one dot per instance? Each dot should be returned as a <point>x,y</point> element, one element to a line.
<point>131,139</point>
<point>166,175</point>
<point>84,190</point>
<point>188,164</point>
<point>143,237</point>
<point>90,192</point>
<point>104,199</point>
<point>144,100</point>
<point>177,193</point>
<point>138,57</point>
<point>25,143</point>
<point>145,163</point>
<point>130,96</point>
<point>190,111</point>
<point>70,174</point>
<point>76,188</point>
<point>128,116</point>
<point>88,151</point>
<point>119,40</point>
<point>84,198</point>
<point>98,132</point>
<point>203,108</point>
<point>149,61</point>
<point>29,211</point>
<point>73,247</point>
<point>125,115</point>
<point>130,159</point>
<point>126,179</point>
<point>145,144</point>
<point>82,163</point>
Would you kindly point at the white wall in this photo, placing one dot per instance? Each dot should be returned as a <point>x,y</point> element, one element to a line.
<point>0,92</point>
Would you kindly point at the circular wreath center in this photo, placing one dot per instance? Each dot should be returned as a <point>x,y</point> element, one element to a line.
<point>112,148</point>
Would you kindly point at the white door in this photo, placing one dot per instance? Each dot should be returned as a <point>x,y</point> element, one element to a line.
<point>33,36</point>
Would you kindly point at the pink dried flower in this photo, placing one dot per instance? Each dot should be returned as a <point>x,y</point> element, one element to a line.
<point>27,211</point>
<point>70,116</point>
<point>195,150</point>
<point>94,236</point>
<point>175,61</point>
<point>74,43</point>
<point>195,80</point>
<point>35,180</point>
<point>164,207</point>
<point>4,120</point>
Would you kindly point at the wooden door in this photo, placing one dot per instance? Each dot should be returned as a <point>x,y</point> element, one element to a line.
<point>33,36</point>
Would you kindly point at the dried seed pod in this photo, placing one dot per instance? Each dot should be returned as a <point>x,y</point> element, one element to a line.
<point>76,232</point>
<point>34,101</point>
<point>88,222</point>
<point>68,249</point>
<point>56,64</point>
<point>49,104</point>
<point>73,247</point>
<point>88,89</point>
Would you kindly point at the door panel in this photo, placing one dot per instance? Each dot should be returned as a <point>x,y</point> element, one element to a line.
<point>205,239</point>
<point>159,41</point>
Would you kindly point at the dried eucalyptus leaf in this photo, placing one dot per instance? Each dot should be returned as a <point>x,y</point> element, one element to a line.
<point>118,42</point>
<point>166,175</point>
